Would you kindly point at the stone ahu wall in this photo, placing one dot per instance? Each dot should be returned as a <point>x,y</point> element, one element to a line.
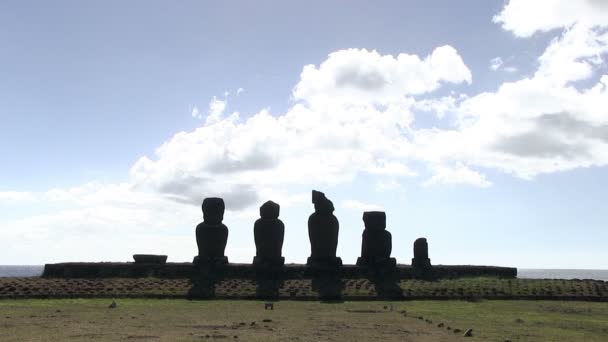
<point>175,270</point>
<point>269,270</point>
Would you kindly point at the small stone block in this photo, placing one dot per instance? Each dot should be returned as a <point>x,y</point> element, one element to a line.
<point>149,259</point>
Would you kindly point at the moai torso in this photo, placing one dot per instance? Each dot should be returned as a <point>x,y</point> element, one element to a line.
<point>323,228</point>
<point>421,255</point>
<point>377,241</point>
<point>269,231</point>
<point>421,249</point>
<point>212,234</point>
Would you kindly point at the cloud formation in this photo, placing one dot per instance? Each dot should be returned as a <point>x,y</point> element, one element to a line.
<point>359,76</point>
<point>360,129</point>
<point>354,114</point>
<point>524,18</point>
<point>360,206</point>
<point>496,63</point>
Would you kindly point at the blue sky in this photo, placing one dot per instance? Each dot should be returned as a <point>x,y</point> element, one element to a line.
<point>479,126</point>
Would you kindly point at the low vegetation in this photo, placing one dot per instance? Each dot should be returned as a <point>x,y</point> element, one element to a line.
<point>472,288</point>
<point>516,320</point>
<point>354,289</point>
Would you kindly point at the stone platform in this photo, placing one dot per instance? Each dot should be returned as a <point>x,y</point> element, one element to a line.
<point>352,289</point>
<point>247,271</point>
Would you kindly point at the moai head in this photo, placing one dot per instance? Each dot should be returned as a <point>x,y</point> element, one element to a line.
<point>374,220</point>
<point>322,204</point>
<point>270,210</point>
<point>213,210</point>
<point>421,249</point>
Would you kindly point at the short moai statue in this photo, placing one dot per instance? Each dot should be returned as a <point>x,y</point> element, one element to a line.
<point>376,245</point>
<point>421,264</point>
<point>421,254</point>
<point>323,228</point>
<point>269,232</point>
<point>268,263</point>
<point>211,238</point>
<point>212,234</point>
<point>375,261</point>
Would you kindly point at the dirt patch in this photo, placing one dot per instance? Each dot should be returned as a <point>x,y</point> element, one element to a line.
<point>145,337</point>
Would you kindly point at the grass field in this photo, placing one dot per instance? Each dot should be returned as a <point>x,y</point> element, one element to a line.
<point>182,320</point>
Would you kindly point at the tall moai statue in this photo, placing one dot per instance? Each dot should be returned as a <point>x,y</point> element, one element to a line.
<point>421,254</point>
<point>376,245</point>
<point>269,232</point>
<point>212,234</point>
<point>323,230</point>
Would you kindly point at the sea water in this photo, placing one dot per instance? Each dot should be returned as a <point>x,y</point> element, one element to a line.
<point>536,273</point>
<point>21,270</point>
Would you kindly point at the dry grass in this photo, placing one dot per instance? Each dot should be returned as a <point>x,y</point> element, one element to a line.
<point>500,320</point>
<point>181,320</point>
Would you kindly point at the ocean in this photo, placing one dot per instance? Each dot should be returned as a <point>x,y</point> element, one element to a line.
<point>527,273</point>
<point>21,270</point>
<point>537,273</point>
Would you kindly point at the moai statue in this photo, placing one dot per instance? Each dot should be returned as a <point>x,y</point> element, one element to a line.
<point>212,234</point>
<point>421,254</point>
<point>269,232</point>
<point>376,245</point>
<point>211,238</point>
<point>323,230</point>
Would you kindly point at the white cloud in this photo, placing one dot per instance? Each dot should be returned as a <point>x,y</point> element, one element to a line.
<point>525,17</point>
<point>458,174</point>
<point>196,113</point>
<point>303,146</point>
<point>15,196</point>
<point>439,106</point>
<point>358,205</point>
<point>390,168</point>
<point>309,144</point>
<point>496,63</point>
<point>239,91</point>
<point>574,55</point>
<point>387,185</point>
<point>357,76</point>
<point>216,110</point>
<point>525,128</point>
<point>540,124</point>
<point>313,142</point>
<point>97,211</point>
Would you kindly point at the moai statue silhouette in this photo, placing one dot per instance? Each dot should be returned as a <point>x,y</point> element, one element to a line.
<point>269,232</point>
<point>376,245</point>
<point>421,264</point>
<point>421,254</point>
<point>212,234</point>
<point>323,230</point>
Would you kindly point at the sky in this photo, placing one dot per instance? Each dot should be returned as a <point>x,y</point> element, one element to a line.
<point>480,125</point>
